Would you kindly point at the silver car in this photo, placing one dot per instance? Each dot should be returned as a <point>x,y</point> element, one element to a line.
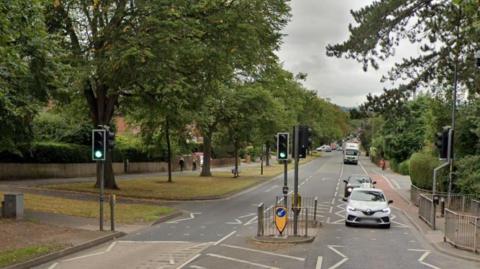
<point>367,206</point>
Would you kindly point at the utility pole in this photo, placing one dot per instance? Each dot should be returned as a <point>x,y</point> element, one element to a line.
<point>295,184</point>
<point>454,108</point>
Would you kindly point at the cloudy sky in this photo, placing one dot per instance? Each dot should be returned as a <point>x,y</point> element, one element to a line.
<point>314,24</point>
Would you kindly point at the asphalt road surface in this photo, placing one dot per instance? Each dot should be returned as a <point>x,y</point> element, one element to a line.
<point>218,234</point>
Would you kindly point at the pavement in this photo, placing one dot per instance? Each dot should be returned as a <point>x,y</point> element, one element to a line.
<point>219,233</point>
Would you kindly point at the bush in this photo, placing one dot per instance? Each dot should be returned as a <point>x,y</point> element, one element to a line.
<point>421,169</point>
<point>49,152</point>
<point>404,168</point>
<point>468,174</point>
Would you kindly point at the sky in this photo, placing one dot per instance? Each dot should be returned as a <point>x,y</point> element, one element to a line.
<point>314,25</point>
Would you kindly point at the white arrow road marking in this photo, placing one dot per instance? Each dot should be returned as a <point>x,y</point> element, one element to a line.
<point>240,261</point>
<point>423,257</point>
<point>332,247</point>
<point>192,216</point>
<point>319,262</point>
<point>188,261</point>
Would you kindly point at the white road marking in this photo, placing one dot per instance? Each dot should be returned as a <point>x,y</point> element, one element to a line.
<point>224,238</point>
<point>252,220</point>
<point>197,267</point>
<point>265,252</point>
<point>93,254</point>
<point>319,262</point>
<point>188,261</point>
<point>363,168</point>
<point>53,265</point>
<point>423,257</point>
<point>332,247</point>
<point>240,261</point>
<point>192,216</point>
<point>271,188</point>
<point>170,259</point>
<point>331,210</point>
<point>236,222</point>
<point>328,220</point>
<point>333,201</point>
<point>153,242</point>
<point>390,182</point>
<point>248,215</point>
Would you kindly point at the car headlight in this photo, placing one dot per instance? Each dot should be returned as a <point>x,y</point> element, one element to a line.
<point>349,208</point>
<point>349,189</point>
<point>386,210</point>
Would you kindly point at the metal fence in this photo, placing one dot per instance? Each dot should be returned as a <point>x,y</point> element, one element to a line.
<point>462,231</point>
<point>476,207</point>
<point>307,217</point>
<point>425,209</point>
<point>455,201</point>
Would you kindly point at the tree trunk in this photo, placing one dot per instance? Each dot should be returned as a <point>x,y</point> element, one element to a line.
<point>207,152</point>
<point>236,161</point>
<point>267,154</point>
<point>169,151</point>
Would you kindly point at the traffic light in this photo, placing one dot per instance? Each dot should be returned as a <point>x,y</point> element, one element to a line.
<point>442,143</point>
<point>110,139</point>
<point>99,144</point>
<point>305,140</point>
<point>282,146</point>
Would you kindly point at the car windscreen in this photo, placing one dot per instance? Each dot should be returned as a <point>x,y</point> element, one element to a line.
<point>366,195</point>
<point>357,181</point>
<point>351,152</point>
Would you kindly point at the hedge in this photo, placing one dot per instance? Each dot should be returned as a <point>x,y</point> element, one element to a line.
<point>421,169</point>
<point>48,152</point>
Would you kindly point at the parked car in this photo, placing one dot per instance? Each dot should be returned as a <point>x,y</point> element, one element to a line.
<point>368,207</point>
<point>357,181</point>
<point>328,149</point>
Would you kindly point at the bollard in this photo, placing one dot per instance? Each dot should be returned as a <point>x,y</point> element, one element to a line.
<point>306,222</point>
<point>260,220</point>
<point>315,204</point>
<point>442,207</point>
<point>113,199</point>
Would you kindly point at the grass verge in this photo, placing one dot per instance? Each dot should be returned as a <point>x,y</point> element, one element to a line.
<point>8,257</point>
<point>124,213</point>
<point>186,187</point>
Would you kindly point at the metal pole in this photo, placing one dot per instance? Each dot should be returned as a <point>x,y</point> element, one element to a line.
<point>315,209</point>
<point>454,107</point>
<point>261,164</point>
<point>285,182</point>
<point>434,190</point>
<point>306,221</point>
<point>295,185</point>
<point>260,220</point>
<point>102,183</point>
<point>113,200</point>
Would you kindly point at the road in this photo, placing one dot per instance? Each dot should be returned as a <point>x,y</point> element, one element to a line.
<point>218,234</point>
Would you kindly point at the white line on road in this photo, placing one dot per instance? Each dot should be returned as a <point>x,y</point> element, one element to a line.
<point>236,222</point>
<point>224,238</point>
<point>240,261</point>
<point>333,201</point>
<point>192,216</point>
<point>363,168</point>
<point>170,259</point>
<point>331,210</point>
<point>427,252</point>
<point>265,252</point>
<point>53,265</point>
<point>153,242</point>
<point>248,215</point>
<point>93,254</point>
<point>319,262</point>
<point>197,267</point>
<point>332,247</point>
<point>252,220</point>
<point>188,261</point>
<point>271,188</point>
<point>390,182</point>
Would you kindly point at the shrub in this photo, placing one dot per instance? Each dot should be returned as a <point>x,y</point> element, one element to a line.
<point>421,169</point>
<point>49,152</point>
<point>468,174</point>
<point>404,167</point>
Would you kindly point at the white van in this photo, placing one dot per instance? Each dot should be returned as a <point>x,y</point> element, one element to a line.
<point>351,152</point>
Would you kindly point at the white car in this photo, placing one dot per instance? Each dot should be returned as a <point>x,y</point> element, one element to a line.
<point>367,206</point>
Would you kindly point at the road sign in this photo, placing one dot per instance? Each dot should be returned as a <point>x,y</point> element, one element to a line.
<point>285,190</point>
<point>281,218</point>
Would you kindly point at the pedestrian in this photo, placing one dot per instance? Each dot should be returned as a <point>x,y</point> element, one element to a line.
<point>382,164</point>
<point>181,162</point>
<point>194,164</point>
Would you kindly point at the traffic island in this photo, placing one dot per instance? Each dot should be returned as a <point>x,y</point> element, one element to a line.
<point>284,240</point>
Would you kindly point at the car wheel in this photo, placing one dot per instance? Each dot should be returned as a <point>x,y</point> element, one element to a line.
<point>348,224</point>
<point>386,226</point>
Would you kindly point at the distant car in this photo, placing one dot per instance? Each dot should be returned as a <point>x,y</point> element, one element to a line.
<point>339,149</point>
<point>322,148</point>
<point>357,181</point>
<point>368,207</point>
<point>328,149</point>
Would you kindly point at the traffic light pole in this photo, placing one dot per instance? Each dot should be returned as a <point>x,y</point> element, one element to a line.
<point>102,190</point>
<point>295,181</point>
<point>285,183</point>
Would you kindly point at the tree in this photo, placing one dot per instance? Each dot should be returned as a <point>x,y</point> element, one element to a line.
<point>29,61</point>
<point>239,38</point>
<point>444,31</point>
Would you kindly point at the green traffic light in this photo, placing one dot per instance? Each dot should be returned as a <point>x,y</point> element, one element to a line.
<point>282,155</point>
<point>98,154</point>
